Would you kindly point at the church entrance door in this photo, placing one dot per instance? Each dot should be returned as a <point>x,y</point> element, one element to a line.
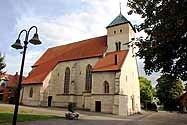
<point>97,106</point>
<point>49,101</point>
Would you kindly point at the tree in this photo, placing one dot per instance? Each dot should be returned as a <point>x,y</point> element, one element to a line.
<point>168,90</point>
<point>146,90</point>
<point>165,47</point>
<point>2,64</point>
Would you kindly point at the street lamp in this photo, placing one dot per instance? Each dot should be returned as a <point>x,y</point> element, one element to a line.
<point>17,45</point>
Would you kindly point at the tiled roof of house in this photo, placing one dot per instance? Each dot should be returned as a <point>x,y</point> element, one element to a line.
<point>12,80</point>
<point>1,88</point>
<point>94,47</point>
<point>107,63</point>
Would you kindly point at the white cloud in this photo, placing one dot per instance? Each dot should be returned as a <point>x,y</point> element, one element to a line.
<point>75,26</point>
<point>69,27</point>
<point>72,26</point>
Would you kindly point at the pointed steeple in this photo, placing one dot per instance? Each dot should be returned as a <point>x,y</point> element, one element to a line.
<point>120,19</point>
<point>120,7</point>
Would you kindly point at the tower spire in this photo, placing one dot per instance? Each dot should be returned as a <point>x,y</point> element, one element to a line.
<point>120,7</point>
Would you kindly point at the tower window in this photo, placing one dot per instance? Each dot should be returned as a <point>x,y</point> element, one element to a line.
<point>120,30</point>
<point>118,46</point>
<point>114,32</point>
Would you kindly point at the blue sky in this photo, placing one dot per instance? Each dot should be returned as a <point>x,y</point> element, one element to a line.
<point>59,22</point>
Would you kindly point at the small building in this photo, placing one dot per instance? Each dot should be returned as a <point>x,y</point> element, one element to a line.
<point>98,74</point>
<point>8,85</point>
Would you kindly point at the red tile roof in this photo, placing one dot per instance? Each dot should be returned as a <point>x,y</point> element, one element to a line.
<point>94,47</point>
<point>107,63</point>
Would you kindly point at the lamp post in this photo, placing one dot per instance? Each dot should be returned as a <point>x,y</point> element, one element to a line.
<point>17,45</point>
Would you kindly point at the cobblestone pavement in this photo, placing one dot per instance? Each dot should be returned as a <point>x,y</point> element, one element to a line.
<point>92,118</point>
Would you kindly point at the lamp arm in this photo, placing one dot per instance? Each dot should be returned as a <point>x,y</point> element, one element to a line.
<point>26,39</point>
<point>32,28</point>
<point>22,32</point>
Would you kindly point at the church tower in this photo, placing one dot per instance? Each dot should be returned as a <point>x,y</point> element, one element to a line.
<point>119,32</point>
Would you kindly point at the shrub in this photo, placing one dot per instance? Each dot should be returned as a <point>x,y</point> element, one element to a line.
<point>71,107</point>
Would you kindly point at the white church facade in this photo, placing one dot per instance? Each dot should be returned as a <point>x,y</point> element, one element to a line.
<point>98,74</point>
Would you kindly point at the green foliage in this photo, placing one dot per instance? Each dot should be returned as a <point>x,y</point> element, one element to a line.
<point>12,100</point>
<point>168,90</point>
<point>165,48</point>
<point>71,107</point>
<point>146,90</point>
<point>2,64</point>
<point>7,117</point>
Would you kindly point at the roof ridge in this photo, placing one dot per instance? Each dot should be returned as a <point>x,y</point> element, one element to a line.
<point>84,40</point>
<point>68,50</point>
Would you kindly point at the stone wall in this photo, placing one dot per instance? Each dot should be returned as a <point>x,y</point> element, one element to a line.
<point>106,102</point>
<point>35,99</point>
<point>76,86</point>
<point>98,82</point>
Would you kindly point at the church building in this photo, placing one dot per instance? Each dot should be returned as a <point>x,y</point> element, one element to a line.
<point>98,74</point>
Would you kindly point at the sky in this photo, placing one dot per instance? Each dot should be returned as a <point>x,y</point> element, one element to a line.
<point>59,22</point>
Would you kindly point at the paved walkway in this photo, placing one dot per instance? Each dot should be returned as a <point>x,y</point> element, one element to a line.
<point>61,112</point>
<point>160,118</point>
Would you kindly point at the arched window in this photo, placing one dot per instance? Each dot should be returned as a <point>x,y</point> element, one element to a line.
<point>31,92</point>
<point>106,87</point>
<point>88,85</point>
<point>66,80</point>
<point>118,46</point>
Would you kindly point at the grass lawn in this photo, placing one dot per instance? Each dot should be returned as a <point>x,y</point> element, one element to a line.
<point>7,117</point>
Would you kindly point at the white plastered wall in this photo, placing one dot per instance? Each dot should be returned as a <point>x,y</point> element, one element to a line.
<point>129,83</point>
<point>123,37</point>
